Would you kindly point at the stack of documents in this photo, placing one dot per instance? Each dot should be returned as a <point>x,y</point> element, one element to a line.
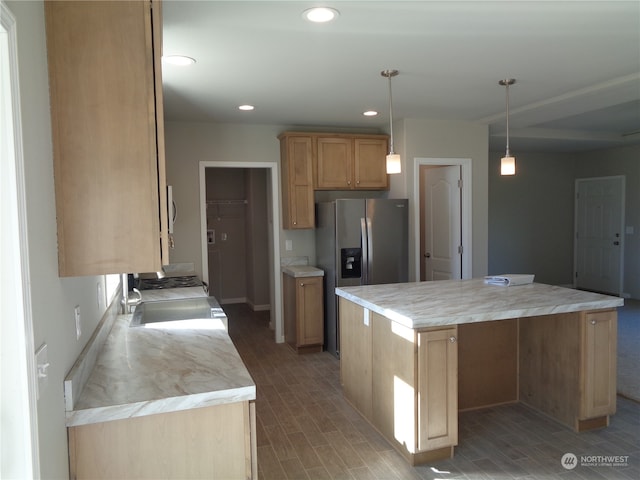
<point>509,279</point>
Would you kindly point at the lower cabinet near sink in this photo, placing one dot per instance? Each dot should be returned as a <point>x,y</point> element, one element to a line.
<point>215,442</point>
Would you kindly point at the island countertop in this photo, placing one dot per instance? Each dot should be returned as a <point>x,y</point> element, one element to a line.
<point>450,302</point>
<point>143,371</point>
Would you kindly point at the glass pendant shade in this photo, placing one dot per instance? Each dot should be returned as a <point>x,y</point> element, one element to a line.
<point>507,165</point>
<point>393,163</point>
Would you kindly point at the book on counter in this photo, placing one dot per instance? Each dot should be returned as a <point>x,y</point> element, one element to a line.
<point>509,280</point>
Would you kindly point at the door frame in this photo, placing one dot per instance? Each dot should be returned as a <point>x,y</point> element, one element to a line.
<point>16,320</point>
<point>466,205</point>
<point>276,280</point>
<point>622,186</point>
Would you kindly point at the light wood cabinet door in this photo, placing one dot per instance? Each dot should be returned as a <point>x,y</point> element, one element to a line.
<point>599,349</point>
<point>303,313</point>
<point>438,387</point>
<point>334,169</point>
<point>310,311</point>
<point>107,136</point>
<point>296,168</point>
<point>370,163</point>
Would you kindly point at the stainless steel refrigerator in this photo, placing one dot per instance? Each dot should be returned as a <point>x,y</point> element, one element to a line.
<point>359,242</point>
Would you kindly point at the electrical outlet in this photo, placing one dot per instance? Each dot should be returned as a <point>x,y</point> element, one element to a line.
<point>288,245</point>
<point>76,314</point>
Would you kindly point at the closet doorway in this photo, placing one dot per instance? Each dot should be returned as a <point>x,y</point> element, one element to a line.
<point>238,214</point>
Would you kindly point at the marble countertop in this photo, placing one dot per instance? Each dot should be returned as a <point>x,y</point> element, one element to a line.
<point>302,271</point>
<point>143,371</point>
<point>172,293</point>
<point>449,302</point>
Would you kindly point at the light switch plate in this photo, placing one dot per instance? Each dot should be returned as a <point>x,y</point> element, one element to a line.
<point>76,314</point>
<point>42,368</point>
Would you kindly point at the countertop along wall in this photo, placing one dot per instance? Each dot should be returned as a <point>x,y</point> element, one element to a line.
<point>52,298</point>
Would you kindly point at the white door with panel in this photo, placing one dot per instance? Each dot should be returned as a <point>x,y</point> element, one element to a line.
<point>599,239</point>
<point>441,221</point>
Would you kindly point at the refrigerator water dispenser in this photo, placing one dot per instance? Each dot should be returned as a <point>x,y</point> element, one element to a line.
<point>351,262</point>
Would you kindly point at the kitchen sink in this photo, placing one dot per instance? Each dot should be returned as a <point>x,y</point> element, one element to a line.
<point>200,312</point>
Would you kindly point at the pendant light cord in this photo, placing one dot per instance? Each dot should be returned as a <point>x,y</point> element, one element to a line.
<point>507,85</point>
<point>391,151</point>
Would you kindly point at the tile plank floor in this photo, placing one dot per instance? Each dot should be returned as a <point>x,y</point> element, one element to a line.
<point>306,430</point>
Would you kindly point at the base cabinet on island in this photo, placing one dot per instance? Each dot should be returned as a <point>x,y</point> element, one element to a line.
<point>568,366</point>
<point>216,442</point>
<point>410,383</point>
<point>404,381</point>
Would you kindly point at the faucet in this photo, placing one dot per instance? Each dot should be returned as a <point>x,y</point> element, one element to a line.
<point>127,301</point>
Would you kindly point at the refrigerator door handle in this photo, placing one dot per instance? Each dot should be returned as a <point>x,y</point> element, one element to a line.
<point>365,251</point>
<point>369,257</point>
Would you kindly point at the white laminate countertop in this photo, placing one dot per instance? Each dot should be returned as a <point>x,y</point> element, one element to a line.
<point>302,271</point>
<point>143,371</point>
<point>450,302</point>
<point>172,293</point>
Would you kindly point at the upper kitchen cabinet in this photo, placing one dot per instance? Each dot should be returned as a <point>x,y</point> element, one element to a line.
<point>108,138</point>
<point>296,169</point>
<point>348,162</point>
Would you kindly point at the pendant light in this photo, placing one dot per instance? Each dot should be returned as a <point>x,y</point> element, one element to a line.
<point>393,159</point>
<point>508,162</point>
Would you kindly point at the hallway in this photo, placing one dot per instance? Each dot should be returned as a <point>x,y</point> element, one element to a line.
<point>306,430</point>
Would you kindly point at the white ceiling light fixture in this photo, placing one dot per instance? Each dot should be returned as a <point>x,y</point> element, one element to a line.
<point>508,162</point>
<point>394,164</point>
<point>370,113</point>
<point>246,108</point>
<point>320,14</point>
<point>179,60</point>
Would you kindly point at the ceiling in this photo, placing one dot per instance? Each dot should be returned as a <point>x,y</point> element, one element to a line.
<point>577,66</point>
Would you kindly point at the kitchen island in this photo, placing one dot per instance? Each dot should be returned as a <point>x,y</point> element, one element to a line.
<point>161,401</point>
<point>414,354</point>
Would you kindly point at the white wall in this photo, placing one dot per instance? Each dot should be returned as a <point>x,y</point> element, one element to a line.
<point>531,217</point>
<point>621,161</point>
<point>188,144</point>
<point>429,138</point>
<point>53,298</point>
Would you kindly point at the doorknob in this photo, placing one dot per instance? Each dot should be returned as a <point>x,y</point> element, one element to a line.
<point>427,255</point>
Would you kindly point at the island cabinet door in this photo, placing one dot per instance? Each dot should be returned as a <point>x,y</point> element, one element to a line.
<point>599,341</point>
<point>438,389</point>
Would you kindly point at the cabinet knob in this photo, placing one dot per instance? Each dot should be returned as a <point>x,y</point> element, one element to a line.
<point>295,223</point>
<point>593,322</point>
<point>348,182</point>
<point>452,339</point>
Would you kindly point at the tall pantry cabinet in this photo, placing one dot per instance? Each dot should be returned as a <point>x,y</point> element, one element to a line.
<point>108,138</point>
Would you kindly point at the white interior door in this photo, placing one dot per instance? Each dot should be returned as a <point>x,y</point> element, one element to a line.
<point>442,230</point>
<point>599,239</point>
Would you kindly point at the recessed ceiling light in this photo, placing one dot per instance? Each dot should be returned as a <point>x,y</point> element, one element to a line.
<point>180,60</point>
<point>370,113</point>
<point>320,14</point>
<point>246,108</point>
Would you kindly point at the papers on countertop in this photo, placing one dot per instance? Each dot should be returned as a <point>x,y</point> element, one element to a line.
<point>509,280</point>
